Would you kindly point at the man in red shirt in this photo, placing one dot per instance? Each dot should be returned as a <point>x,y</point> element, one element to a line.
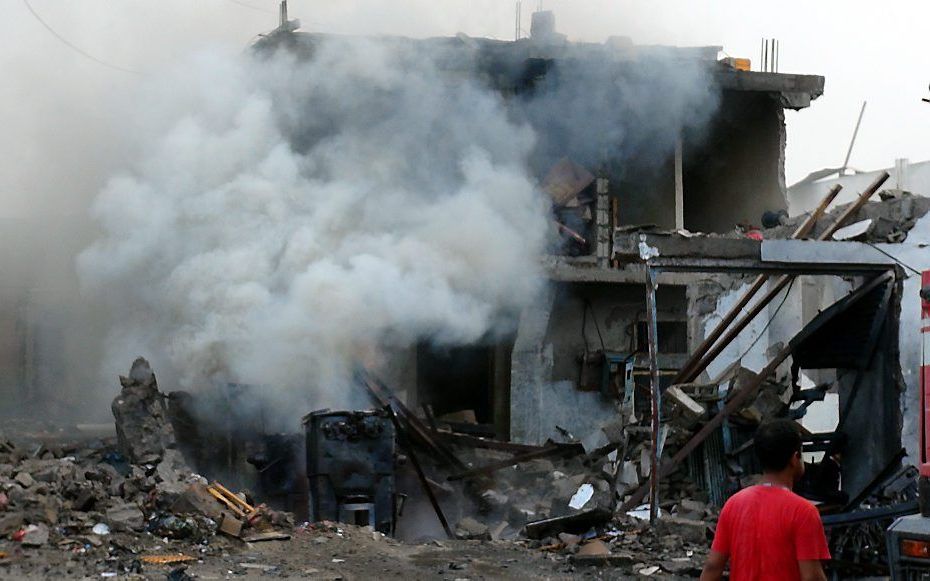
<point>766,531</point>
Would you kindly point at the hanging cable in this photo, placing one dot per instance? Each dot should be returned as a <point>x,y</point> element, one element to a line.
<point>252,7</point>
<point>771,319</point>
<point>76,49</point>
<point>911,268</point>
<point>597,327</point>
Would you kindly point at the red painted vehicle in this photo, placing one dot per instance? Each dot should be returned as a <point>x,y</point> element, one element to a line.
<point>909,537</point>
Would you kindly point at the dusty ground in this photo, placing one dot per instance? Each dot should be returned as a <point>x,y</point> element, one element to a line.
<point>313,553</point>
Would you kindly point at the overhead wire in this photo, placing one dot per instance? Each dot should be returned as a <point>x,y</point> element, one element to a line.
<point>771,319</point>
<point>72,46</point>
<point>253,7</point>
<point>907,266</point>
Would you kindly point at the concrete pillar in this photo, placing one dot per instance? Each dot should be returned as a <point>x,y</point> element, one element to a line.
<point>530,369</point>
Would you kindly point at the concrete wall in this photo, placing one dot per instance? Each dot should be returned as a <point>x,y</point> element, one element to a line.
<point>737,171</point>
<point>915,254</point>
<point>545,364</point>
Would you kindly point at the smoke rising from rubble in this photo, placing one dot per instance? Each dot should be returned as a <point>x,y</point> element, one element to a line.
<point>288,218</point>
<point>627,110</point>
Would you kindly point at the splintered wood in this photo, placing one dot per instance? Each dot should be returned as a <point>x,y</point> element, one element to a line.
<point>238,506</point>
<point>166,559</point>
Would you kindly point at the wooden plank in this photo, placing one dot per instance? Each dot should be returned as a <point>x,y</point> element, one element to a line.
<point>386,398</point>
<point>424,482</point>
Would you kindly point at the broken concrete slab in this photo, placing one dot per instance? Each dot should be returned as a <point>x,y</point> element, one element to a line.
<point>142,427</point>
<point>230,526</point>
<point>25,479</point>
<point>36,535</point>
<point>196,499</point>
<point>470,528</point>
<point>498,531</point>
<point>692,409</point>
<point>577,523</point>
<point>125,517</point>
<point>691,531</point>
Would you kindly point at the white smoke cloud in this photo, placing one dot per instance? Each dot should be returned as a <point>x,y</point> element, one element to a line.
<point>285,217</point>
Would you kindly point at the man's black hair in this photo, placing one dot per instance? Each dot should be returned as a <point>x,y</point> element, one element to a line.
<point>775,443</point>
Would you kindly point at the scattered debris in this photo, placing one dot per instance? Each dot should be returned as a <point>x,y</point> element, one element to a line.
<point>167,559</point>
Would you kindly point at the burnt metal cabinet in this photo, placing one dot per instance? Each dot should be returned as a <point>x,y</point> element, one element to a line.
<point>350,467</point>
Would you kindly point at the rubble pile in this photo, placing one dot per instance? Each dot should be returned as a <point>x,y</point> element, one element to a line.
<point>567,507</point>
<point>551,487</point>
<point>96,496</point>
<point>889,220</point>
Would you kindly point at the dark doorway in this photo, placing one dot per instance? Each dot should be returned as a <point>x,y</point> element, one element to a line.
<point>455,379</point>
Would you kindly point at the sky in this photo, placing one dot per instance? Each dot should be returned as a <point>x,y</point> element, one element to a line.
<point>55,103</point>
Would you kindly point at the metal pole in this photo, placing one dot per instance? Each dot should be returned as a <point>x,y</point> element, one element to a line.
<point>852,141</point>
<point>679,185</point>
<point>516,35</point>
<point>653,333</point>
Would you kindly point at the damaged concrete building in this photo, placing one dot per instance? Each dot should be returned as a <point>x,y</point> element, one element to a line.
<point>708,196</point>
<point>682,307</point>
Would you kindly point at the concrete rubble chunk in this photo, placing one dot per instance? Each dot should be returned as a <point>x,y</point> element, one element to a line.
<point>231,526</point>
<point>495,498</point>
<point>628,474</point>
<point>691,408</point>
<point>142,427</point>
<point>36,535</point>
<point>581,496</point>
<point>10,522</point>
<point>692,505</point>
<point>569,540</point>
<point>125,517</point>
<point>498,530</point>
<point>692,531</point>
<point>25,479</point>
<point>594,547</point>
<point>468,527</point>
<point>677,566</point>
<point>196,499</point>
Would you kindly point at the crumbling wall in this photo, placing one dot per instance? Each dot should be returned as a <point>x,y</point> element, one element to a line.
<point>914,254</point>
<point>736,172</point>
<point>546,370</point>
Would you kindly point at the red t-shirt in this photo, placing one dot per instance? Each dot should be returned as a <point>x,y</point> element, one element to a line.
<point>766,530</point>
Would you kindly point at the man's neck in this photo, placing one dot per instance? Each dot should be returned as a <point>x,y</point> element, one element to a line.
<point>781,479</point>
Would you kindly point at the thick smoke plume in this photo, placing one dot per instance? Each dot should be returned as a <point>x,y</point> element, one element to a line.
<point>287,219</point>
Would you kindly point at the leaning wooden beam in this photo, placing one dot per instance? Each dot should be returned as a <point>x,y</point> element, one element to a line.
<point>780,284</point>
<point>553,450</point>
<point>404,440</point>
<point>733,405</point>
<point>735,402</point>
<point>383,395</point>
<point>803,230</point>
